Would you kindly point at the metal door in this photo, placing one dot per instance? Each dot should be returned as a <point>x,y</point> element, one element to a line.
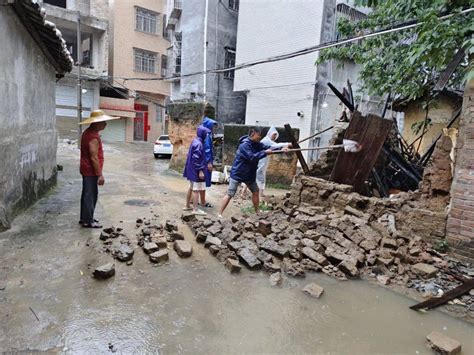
<point>138,126</point>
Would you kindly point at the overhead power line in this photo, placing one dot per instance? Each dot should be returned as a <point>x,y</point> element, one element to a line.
<point>400,27</point>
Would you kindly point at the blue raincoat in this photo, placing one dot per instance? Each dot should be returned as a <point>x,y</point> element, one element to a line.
<point>208,123</point>
<point>195,161</point>
<point>244,168</point>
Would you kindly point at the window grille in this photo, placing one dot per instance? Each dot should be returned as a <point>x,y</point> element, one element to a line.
<point>229,62</point>
<point>234,5</point>
<point>146,20</point>
<point>145,61</point>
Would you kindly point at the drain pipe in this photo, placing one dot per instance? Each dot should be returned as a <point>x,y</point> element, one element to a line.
<point>205,49</point>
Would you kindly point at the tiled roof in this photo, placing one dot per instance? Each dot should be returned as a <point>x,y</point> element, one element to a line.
<point>45,33</point>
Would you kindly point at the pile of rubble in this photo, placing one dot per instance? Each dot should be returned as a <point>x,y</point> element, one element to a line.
<point>152,238</point>
<point>340,243</point>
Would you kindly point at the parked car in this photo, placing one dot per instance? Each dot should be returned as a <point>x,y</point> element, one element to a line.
<point>163,146</point>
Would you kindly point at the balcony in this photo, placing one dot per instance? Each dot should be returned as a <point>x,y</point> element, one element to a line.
<point>176,9</point>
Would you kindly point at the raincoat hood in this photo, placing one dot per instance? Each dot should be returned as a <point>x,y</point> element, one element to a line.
<point>209,123</point>
<point>271,131</point>
<point>202,132</point>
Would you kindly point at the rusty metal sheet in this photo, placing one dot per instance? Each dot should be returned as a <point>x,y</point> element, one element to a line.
<point>354,168</point>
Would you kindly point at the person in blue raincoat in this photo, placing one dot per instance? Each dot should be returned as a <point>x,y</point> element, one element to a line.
<point>244,168</point>
<point>208,123</point>
<point>194,170</point>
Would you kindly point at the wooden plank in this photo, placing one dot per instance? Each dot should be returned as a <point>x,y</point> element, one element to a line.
<point>446,73</point>
<point>354,168</point>
<point>294,144</point>
<point>341,97</point>
<point>455,292</point>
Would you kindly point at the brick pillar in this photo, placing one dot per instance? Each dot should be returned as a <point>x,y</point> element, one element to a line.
<point>460,226</point>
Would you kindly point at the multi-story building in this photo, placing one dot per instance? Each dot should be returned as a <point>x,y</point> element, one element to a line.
<point>138,46</point>
<point>94,30</point>
<point>292,91</point>
<point>203,36</point>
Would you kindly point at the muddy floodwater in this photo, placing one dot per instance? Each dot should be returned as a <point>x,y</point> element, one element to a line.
<point>49,301</point>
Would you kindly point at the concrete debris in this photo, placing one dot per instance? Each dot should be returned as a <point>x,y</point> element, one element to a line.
<point>104,271</point>
<point>159,256</point>
<point>443,344</point>
<point>183,248</point>
<point>150,247</point>
<point>314,290</point>
<point>233,265</point>
<point>171,225</point>
<point>123,253</point>
<point>276,279</point>
<point>425,270</point>
<point>249,258</point>
<point>341,243</point>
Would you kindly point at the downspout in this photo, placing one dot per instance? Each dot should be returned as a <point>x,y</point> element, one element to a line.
<point>205,49</point>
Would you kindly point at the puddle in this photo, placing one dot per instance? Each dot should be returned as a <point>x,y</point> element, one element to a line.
<point>141,203</point>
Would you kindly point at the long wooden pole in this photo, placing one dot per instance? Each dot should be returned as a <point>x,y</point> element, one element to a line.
<point>316,134</point>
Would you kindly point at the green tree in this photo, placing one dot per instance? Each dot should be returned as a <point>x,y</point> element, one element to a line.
<point>407,62</point>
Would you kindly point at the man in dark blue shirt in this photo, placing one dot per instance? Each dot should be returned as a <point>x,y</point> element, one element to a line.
<point>244,168</point>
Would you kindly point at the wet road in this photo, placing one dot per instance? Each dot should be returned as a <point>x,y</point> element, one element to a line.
<point>187,306</point>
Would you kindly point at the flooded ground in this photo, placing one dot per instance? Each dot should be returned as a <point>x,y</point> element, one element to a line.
<point>50,302</point>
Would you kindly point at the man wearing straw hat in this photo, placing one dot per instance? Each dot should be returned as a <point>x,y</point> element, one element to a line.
<point>92,162</point>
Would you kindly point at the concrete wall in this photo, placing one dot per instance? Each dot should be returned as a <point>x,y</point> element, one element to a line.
<point>460,227</point>
<point>208,30</point>
<point>28,137</point>
<point>123,39</point>
<point>440,114</point>
<point>277,91</point>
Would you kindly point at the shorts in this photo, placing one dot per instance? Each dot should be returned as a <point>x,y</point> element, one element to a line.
<point>197,186</point>
<point>234,185</point>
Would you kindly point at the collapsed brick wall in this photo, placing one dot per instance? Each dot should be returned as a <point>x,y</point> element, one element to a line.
<point>184,120</point>
<point>460,227</point>
<point>437,176</point>
<point>415,216</point>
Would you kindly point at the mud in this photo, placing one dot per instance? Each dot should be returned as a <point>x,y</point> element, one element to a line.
<point>191,305</point>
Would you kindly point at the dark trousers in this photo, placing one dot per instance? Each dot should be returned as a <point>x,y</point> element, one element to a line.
<point>89,195</point>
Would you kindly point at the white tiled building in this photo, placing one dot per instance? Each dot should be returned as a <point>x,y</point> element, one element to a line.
<point>278,91</point>
<point>293,91</point>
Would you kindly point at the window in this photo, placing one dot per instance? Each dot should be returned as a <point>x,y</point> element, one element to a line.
<point>146,20</point>
<point>234,5</point>
<point>59,3</point>
<point>145,61</point>
<point>229,62</point>
<point>164,65</point>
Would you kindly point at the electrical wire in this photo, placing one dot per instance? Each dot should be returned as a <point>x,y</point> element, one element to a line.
<point>400,27</point>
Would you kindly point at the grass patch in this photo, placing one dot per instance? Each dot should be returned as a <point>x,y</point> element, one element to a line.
<point>263,207</point>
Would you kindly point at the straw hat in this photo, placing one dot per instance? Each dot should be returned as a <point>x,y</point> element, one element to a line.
<point>98,116</point>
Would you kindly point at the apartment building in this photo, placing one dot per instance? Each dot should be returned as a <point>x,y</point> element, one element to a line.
<point>292,91</point>
<point>203,36</point>
<point>94,31</point>
<point>138,46</point>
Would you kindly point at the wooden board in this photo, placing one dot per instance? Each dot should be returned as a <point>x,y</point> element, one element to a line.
<point>354,168</point>
<point>435,302</point>
<point>295,145</point>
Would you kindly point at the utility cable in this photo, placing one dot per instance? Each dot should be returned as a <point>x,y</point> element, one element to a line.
<point>404,26</point>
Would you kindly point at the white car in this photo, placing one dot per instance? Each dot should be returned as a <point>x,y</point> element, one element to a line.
<point>162,146</point>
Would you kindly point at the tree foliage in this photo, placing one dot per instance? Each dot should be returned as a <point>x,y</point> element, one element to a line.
<point>407,62</point>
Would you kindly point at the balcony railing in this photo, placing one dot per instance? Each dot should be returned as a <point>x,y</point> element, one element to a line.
<point>176,9</point>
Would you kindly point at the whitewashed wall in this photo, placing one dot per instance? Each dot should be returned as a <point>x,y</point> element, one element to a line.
<point>272,27</point>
